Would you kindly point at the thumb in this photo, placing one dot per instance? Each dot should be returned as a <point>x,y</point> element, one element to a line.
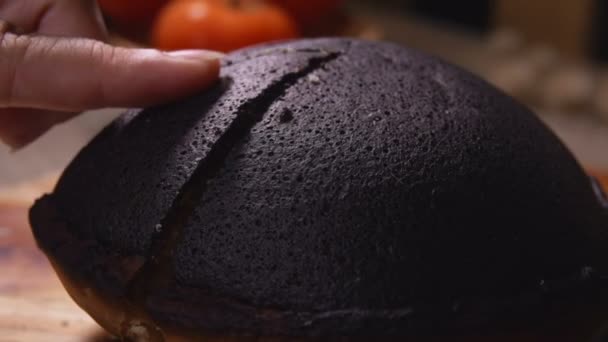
<point>68,74</point>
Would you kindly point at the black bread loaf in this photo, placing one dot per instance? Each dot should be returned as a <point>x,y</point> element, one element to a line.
<point>329,187</point>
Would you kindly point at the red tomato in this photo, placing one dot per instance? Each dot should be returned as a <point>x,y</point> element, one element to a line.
<point>220,25</point>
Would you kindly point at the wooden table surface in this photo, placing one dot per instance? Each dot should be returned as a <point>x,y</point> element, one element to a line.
<point>34,307</point>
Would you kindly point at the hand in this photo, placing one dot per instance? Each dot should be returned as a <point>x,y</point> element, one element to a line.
<point>54,65</point>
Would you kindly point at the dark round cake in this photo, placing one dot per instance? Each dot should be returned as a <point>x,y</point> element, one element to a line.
<point>331,189</point>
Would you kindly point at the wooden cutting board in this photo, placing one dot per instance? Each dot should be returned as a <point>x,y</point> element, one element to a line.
<point>33,304</point>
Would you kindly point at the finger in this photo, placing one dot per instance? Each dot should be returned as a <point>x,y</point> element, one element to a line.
<point>79,74</point>
<point>78,18</point>
<point>19,127</point>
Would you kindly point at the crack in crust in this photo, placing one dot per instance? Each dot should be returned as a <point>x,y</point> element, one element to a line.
<point>159,265</point>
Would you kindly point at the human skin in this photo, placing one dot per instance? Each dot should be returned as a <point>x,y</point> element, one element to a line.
<point>54,64</point>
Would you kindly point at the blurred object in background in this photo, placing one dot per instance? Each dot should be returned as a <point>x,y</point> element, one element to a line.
<point>474,15</point>
<point>569,88</point>
<point>550,54</point>
<point>220,25</point>
<point>601,96</point>
<point>507,41</point>
<point>132,18</point>
<point>132,13</point>
<point>309,14</point>
<point>515,69</point>
<point>566,25</point>
<point>227,25</point>
<point>575,31</point>
<point>574,27</point>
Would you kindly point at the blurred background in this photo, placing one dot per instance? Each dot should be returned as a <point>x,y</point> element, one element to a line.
<point>550,54</point>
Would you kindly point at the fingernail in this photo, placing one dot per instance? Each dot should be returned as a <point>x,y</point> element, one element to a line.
<point>196,54</point>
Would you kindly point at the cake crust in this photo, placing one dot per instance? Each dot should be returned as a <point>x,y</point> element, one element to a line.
<point>325,189</point>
